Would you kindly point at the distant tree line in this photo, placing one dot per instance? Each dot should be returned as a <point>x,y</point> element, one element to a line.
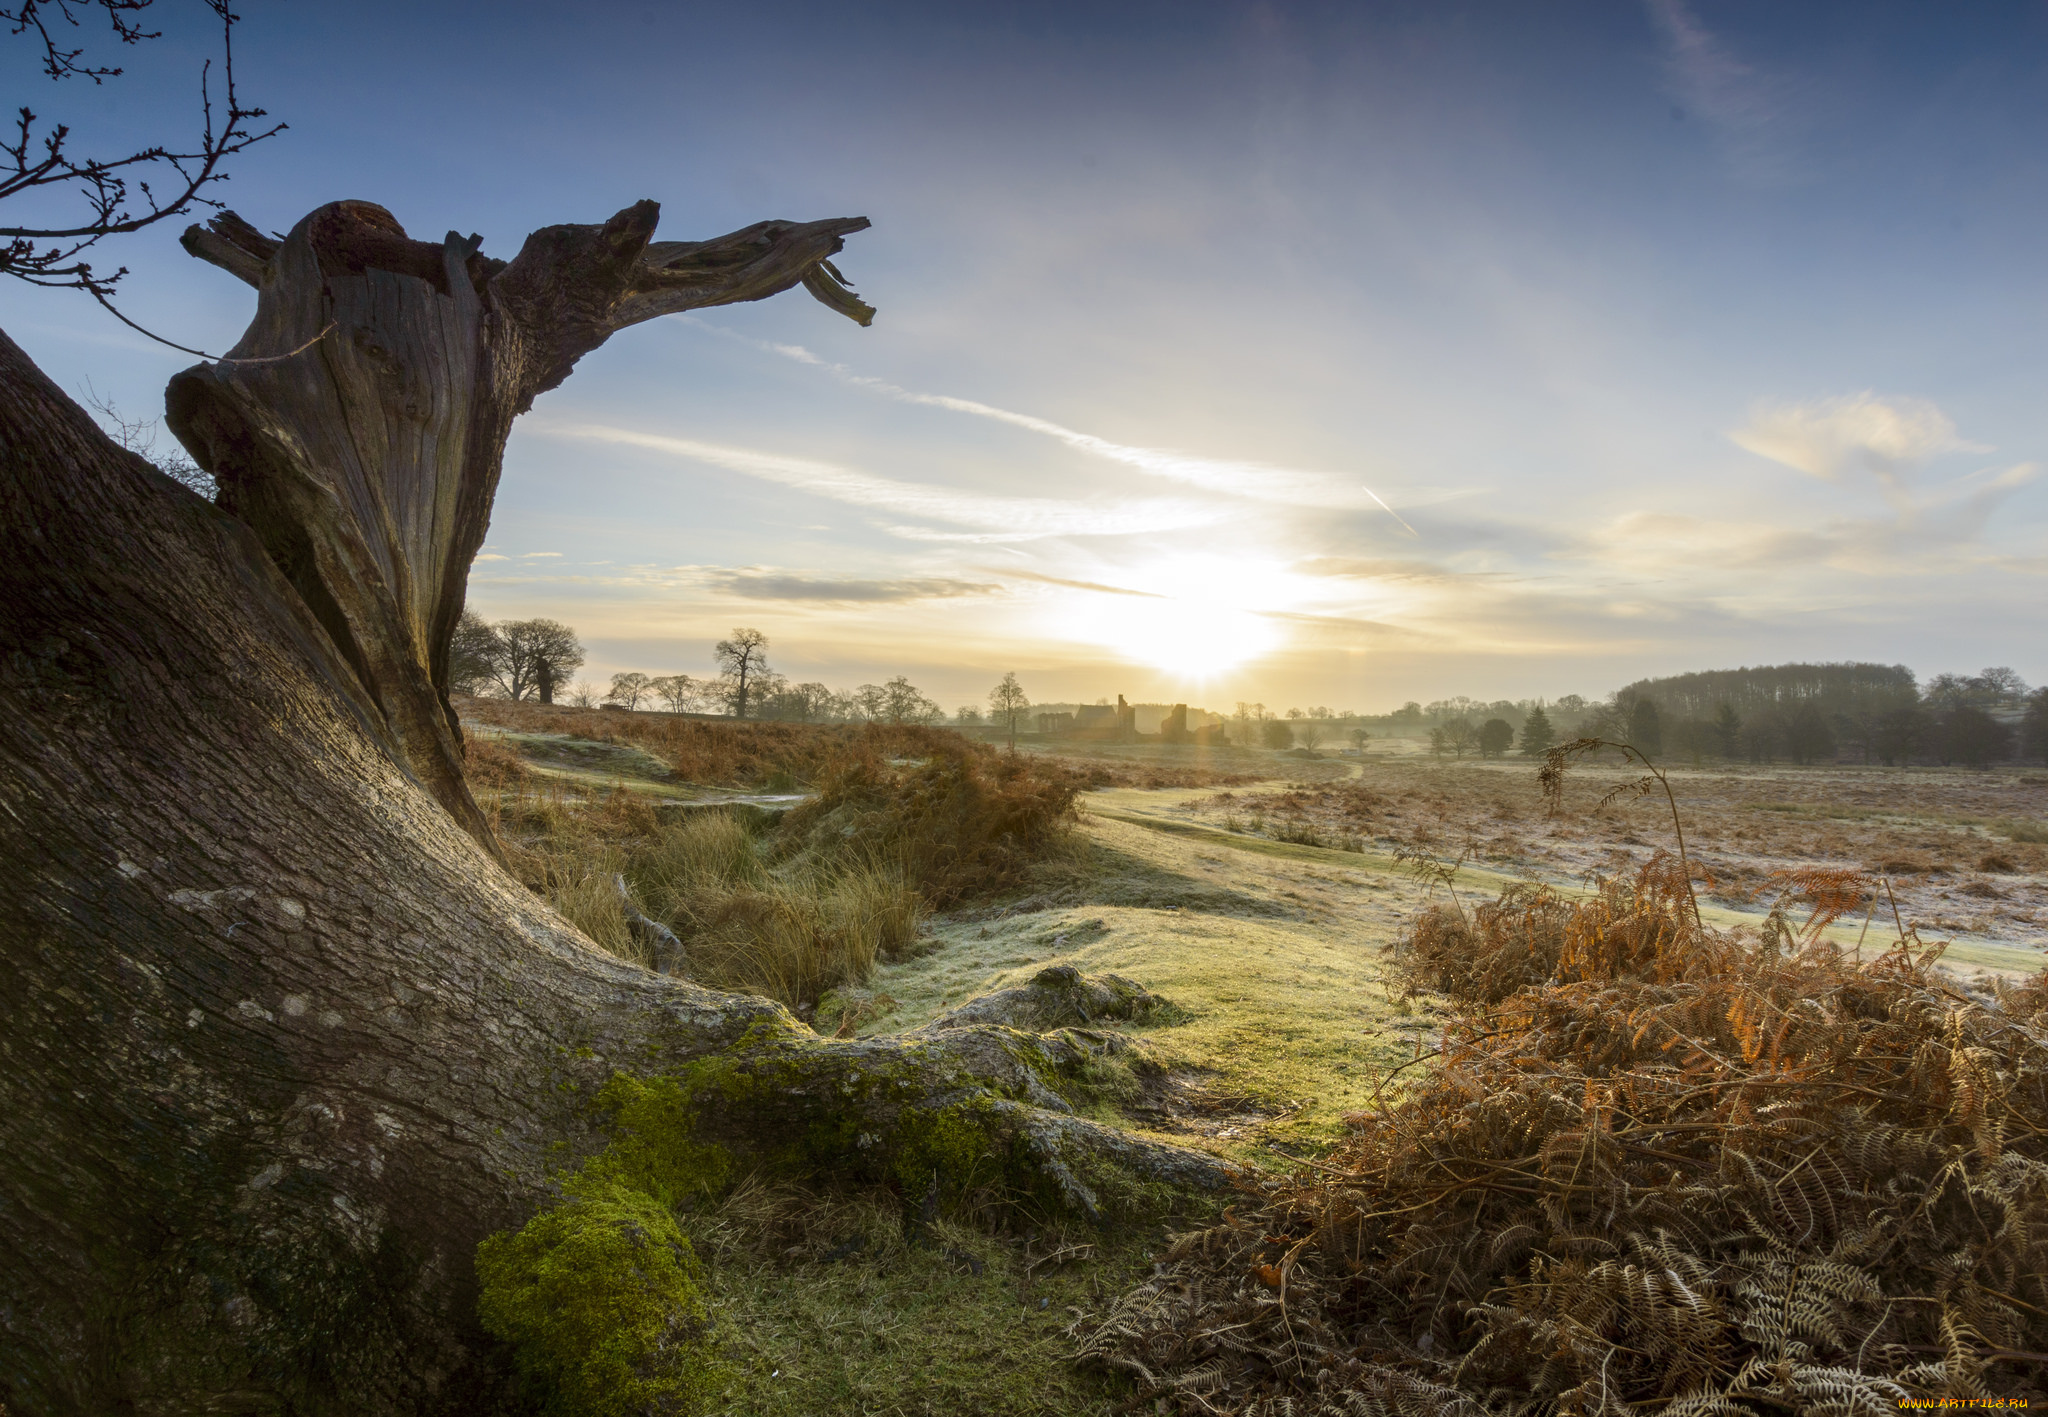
<point>1815,713</point>
<point>1799,713</point>
<point>534,661</point>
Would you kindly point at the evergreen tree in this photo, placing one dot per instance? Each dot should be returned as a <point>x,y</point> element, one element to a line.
<point>1537,733</point>
<point>1808,737</point>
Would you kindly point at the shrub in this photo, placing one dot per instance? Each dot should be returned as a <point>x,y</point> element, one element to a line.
<point>1693,1172</point>
<point>965,821</point>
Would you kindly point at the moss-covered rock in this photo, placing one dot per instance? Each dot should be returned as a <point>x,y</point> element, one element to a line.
<point>599,1298</point>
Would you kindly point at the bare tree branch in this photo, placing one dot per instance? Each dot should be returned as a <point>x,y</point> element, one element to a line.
<point>119,198</point>
<point>750,264</point>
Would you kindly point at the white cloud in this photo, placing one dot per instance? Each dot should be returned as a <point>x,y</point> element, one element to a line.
<point>1887,437</point>
<point>1262,482</point>
<point>991,518</point>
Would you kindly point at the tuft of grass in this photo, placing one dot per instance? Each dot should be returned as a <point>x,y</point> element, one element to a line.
<point>488,763</point>
<point>796,906</point>
<point>963,822</point>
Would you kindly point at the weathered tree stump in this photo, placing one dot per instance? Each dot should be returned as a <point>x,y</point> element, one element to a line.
<point>280,1041</point>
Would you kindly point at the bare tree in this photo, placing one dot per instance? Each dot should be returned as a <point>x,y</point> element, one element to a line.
<point>1309,732</point>
<point>904,702</point>
<point>741,661</point>
<point>629,688</point>
<point>1007,703</point>
<point>679,691</point>
<point>139,436</point>
<point>474,655</point>
<point>119,194</point>
<point>1460,736</point>
<point>531,651</point>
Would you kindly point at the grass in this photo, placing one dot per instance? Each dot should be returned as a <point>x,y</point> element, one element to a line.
<point>831,1303</point>
<point>790,908</point>
<point>1285,1018</point>
<point>1261,910</point>
<point>1652,1166</point>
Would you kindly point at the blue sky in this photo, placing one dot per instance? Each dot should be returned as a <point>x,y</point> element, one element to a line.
<point>1308,354</point>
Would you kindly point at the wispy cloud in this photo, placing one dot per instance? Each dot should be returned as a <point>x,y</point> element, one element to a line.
<point>1097,586</point>
<point>1264,482</point>
<point>1744,106</point>
<point>756,585</point>
<point>993,518</point>
<point>1887,437</point>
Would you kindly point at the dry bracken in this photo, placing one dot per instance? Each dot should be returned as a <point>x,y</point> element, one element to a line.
<point>1652,1167</point>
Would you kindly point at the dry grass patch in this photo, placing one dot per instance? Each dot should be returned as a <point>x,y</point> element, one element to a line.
<point>1687,1171</point>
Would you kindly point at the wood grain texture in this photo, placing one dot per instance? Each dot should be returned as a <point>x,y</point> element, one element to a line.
<point>359,425</point>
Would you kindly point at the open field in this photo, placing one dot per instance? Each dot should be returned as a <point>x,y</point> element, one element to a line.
<point>1259,897</point>
<point>1965,853</point>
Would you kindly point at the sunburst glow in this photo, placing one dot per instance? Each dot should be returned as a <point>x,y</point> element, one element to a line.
<point>1196,616</point>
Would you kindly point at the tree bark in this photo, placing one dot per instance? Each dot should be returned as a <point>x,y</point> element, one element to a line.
<point>281,1041</point>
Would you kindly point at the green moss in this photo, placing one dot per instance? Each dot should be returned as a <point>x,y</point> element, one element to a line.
<point>653,1147</point>
<point>600,1299</point>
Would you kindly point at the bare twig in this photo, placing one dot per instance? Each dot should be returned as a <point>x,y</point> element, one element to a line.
<point>118,199</point>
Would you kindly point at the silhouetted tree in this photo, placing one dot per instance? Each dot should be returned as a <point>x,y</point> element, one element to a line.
<point>904,702</point>
<point>679,691</point>
<point>1496,736</point>
<point>629,688</point>
<point>742,660</point>
<point>1460,737</point>
<point>1006,704</point>
<point>1898,735</point>
<point>1727,729</point>
<point>473,655</point>
<point>1277,734</point>
<point>1973,737</point>
<point>512,657</point>
<point>1537,733</point>
<point>2034,727</point>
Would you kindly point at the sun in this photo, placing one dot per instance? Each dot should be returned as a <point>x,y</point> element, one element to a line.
<point>1193,616</point>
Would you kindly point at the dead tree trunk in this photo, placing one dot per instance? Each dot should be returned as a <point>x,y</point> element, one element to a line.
<point>360,425</point>
<point>279,1040</point>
